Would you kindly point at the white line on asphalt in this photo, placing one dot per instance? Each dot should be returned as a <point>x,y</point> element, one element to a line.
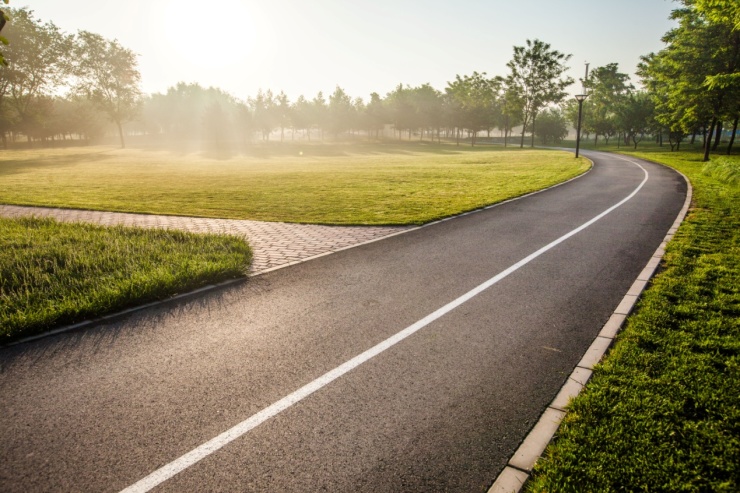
<point>180,464</point>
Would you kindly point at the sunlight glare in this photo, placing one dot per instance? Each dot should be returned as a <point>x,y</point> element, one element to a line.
<point>219,34</point>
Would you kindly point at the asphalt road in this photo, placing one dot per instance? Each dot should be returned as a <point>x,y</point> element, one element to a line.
<point>442,410</point>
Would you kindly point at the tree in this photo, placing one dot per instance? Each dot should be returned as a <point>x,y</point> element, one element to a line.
<point>4,17</point>
<point>401,110</point>
<point>511,111</point>
<point>608,89</point>
<point>216,124</point>
<point>427,103</point>
<point>265,114</point>
<point>375,115</point>
<point>320,112</point>
<point>694,81</point>
<point>536,79</point>
<point>340,112</point>
<point>107,75</point>
<point>552,126</point>
<point>474,99</point>
<point>636,115</point>
<point>36,64</point>
<point>301,113</point>
<point>282,109</point>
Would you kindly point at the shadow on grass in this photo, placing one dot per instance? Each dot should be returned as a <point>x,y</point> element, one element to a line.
<point>37,159</point>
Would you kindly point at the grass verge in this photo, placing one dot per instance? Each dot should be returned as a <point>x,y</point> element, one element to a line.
<point>374,184</point>
<point>54,273</point>
<point>662,412</point>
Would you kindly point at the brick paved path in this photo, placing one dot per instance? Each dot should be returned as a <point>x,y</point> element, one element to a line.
<point>273,244</point>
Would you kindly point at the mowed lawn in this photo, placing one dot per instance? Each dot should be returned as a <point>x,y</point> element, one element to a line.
<point>311,183</point>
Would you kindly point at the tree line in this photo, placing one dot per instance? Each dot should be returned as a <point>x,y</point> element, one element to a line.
<point>59,86</point>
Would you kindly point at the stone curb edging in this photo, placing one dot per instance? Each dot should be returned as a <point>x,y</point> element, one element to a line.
<point>210,287</point>
<point>517,471</point>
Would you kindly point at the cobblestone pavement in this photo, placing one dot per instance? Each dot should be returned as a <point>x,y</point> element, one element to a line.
<point>273,244</point>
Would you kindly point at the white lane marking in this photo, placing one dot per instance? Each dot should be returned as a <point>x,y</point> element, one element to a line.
<point>169,470</point>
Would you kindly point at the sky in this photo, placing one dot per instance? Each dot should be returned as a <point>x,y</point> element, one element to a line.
<point>302,47</point>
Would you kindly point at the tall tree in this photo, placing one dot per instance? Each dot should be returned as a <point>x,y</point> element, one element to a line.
<point>401,110</point>
<point>320,112</point>
<point>427,102</point>
<point>264,110</point>
<point>536,76</point>
<point>375,115</point>
<point>694,80</point>
<point>340,112</point>
<point>107,75</point>
<point>635,116</point>
<point>474,99</point>
<point>4,18</point>
<point>282,109</point>
<point>36,64</point>
<point>608,89</point>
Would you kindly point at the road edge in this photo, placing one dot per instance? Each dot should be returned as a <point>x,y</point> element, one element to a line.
<point>519,467</point>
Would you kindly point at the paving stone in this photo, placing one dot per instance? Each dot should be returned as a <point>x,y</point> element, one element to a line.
<point>273,244</point>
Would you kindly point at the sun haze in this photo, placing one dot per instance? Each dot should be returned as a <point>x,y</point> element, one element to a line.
<point>305,47</point>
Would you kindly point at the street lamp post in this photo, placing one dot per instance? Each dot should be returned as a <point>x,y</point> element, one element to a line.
<point>580,98</point>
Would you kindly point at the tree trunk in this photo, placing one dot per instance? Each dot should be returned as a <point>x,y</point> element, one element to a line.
<point>532,143</point>
<point>717,135</point>
<point>120,134</point>
<point>521,144</point>
<point>708,140</point>
<point>729,147</point>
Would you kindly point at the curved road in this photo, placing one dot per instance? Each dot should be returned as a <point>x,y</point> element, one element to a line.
<point>440,407</point>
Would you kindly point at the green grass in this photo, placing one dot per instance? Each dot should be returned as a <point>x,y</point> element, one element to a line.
<point>724,169</point>
<point>310,183</point>
<point>54,273</point>
<point>662,412</point>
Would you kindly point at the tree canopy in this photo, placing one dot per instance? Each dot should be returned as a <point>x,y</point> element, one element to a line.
<point>536,78</point>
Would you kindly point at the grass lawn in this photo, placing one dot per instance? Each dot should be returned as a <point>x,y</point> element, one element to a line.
<point>662,412</point>
<point>56,273</point>
<point>409,183</point>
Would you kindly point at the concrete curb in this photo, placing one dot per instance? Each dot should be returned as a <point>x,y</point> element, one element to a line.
<point>211,287</point>
<point>517,471</point>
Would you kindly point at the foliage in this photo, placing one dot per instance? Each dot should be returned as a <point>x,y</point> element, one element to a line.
<point>535,78</point>
<point>609,92</point>
<point>694,81</point>
<point>552,126</point>
<point>106,74</point>
<point>635,116</point>
<point>4,18</point>
<point>720,11</point>
<point>474,102</point>
<point>54,273</point>
<point>661,412</point>
<point>36,65</point>
<point>407,183</point>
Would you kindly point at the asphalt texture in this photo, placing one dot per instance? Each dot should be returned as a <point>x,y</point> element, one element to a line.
<point>443,410</point>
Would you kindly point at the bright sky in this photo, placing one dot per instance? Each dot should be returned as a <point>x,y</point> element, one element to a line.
<point>306,46</point>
